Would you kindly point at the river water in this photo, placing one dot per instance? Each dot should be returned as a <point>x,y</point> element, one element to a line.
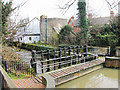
<point>102,78</point>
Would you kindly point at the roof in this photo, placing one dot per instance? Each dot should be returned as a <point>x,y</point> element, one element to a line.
<point>100,20</point>
<point>93,21</point>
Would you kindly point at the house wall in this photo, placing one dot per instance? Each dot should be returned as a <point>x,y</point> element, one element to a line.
<point>26,39</point>
<point>38,27</point>
<point>52,23</point>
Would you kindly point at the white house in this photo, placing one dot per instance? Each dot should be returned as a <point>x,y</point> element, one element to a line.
<point>29,31</point>
<point>34,30</point>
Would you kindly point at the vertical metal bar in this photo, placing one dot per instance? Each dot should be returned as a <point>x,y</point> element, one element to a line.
<point>48,62</point>
<point>84,59</point>
<point>59,54</point>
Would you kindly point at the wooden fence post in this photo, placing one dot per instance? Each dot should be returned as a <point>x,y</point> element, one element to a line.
<point>33,60</point>
<point>48,62</point>
<point>59,55</point>
<point>69,52</point>
<point>78,53</point>
<point>85,51</point>
<point>54,58</point>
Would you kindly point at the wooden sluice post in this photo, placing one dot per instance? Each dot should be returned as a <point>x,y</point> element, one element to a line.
<point>33,60</point>
<point>59,55</point>
<point>78,54</point>
<point>48,62</point>
<point>69,53</point>
<point>54,58</point>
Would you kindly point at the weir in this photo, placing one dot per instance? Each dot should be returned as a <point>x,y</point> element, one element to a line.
<point>65,64</point>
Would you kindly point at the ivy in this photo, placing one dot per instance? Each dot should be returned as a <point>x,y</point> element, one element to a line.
<point>82,14</point>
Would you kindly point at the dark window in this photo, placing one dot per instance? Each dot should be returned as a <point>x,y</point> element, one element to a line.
<point>21,38</point>
<point>30,38</point>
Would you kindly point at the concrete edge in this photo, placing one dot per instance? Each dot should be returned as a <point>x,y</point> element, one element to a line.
<point>100,66</point>
<point>50,82</point>
<point>7,78</point>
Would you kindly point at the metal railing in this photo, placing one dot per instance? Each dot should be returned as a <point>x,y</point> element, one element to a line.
<point>50,60</point>
<point>17,68</point>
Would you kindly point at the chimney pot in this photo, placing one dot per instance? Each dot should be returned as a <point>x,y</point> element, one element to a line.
<point>111,14</point>
<point>90,16</point>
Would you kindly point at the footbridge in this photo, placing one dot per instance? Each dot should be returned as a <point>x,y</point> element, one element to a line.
<point>64,64</point>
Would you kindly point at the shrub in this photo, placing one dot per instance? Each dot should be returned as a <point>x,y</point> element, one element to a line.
<point>64,45</point>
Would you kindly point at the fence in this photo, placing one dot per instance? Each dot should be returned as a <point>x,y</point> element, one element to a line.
<point>18,68</point>
<point>48,60</point>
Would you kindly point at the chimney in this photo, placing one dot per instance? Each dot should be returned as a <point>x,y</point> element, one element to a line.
<point>90,16</point>
<point>111,14</point>
<point>72,17</point>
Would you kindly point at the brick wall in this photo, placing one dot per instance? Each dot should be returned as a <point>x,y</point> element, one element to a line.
<point>112,62</point>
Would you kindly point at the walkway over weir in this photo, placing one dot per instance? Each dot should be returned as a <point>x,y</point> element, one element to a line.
<point>66,74</point>
<point>76,68</point>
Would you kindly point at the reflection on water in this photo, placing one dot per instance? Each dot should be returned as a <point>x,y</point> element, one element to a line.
<point>103,78</point>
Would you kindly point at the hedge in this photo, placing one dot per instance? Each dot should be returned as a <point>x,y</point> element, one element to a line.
<point>64,45</point>
<point>30,47</point>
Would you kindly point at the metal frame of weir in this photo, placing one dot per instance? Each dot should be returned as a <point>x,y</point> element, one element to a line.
<point>52,59</point>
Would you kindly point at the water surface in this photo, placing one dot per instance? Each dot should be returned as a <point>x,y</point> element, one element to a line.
<point>103,78</point>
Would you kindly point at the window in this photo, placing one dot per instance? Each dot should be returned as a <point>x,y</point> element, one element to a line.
<point>21,38</point>
<point>30,38</point>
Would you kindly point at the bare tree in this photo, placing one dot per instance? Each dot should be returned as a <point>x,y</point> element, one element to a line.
<point>112,4</point>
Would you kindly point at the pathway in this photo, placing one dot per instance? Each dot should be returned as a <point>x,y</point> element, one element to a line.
<point>29,83</point>
<point>76,68</point>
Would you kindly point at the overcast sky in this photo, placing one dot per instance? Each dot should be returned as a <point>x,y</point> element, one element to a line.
<point>36,8</point>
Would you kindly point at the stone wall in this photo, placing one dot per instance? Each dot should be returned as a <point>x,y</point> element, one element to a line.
<point>53,25</point>
<point>112,62</point>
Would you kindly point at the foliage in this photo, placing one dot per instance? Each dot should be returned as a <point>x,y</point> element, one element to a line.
<point>9,53</point>
<point>65,34</point>
<point>108,35</point>
<point>6,10</point>
<point>82,15</point>
<point>82,37</point>
<point>54,40</point>
<point>64,45</point>
<point>31,47</point>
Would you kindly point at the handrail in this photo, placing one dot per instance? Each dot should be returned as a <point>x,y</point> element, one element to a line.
<point>7,79</point>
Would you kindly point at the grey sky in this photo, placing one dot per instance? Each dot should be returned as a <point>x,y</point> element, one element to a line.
<point>35,8</point>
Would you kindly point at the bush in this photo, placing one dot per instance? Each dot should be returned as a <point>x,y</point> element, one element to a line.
<point>30,47</point>
<point>64,45</point>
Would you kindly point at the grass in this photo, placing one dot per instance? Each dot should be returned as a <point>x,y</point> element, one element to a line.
<point>20,76</point>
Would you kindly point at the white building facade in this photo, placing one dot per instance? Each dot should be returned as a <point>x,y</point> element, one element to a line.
<point>29,32</point>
